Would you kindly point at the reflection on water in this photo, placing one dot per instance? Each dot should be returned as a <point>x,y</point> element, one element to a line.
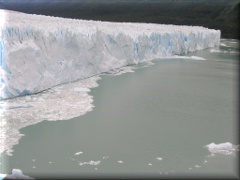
<point>177,117</point>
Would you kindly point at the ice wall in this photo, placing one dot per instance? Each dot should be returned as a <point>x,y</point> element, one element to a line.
<point>39,52</point>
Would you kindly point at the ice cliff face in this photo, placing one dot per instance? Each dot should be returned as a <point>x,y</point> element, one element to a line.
<point>39,52</point>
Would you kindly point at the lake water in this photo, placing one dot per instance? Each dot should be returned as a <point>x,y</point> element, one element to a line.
<point>154,122</point>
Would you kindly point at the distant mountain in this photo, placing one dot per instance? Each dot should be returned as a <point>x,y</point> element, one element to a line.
<point>216,14</point>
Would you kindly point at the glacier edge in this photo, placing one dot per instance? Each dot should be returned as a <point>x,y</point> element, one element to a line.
<point>38,52</point>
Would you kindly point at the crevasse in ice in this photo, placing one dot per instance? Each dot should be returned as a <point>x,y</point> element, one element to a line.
<point>38,52</point>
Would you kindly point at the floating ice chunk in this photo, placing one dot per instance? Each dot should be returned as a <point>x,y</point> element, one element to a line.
<point>105,157</point>
<point>222,148</point>
<point>150,164</point>
<point>215,51</point>
<point>222,44</point>
<point>93,163</point>
<point>211,155</point>
<point>2,176</point>
<point>82,90</point>
<point>159,158</point>
<point>219,51</point>
<point>185,57</point>
<point>120,162</point>
<point>78,153</point>
<point>197,166</point>
<point>197,58</point>
<point>16,174</point>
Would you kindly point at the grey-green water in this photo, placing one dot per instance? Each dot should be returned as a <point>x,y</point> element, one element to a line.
<point>153,122</point>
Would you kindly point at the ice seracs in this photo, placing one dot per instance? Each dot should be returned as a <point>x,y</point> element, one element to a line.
<point>39,52</point>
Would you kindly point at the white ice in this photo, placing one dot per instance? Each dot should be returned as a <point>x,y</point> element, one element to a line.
<point>222,148</point>
<point>81,89</point>
<point>78,153</point>
<point>16,174</point>
<point>39,52</point>
<point>93,163</point>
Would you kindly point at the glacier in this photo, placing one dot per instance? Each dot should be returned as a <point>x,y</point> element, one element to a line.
<point>39,52</point>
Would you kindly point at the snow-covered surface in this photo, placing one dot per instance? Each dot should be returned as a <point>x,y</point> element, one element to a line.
<point>39,52</point>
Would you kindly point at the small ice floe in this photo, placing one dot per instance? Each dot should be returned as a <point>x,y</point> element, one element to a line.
<point>150,164</point>
<point>197,58</point>
<point>197,166</point>
<point>96,169</point>
<point>222,44</point>
<point>185,57</point>
<point>211,155</point>
<point>190,168</point>
<point>50,162</point>
<point>33,160</point>
<point>92,163</point>
<point>205,161</point>
<point>78,153</point>
<point>34,167</point>
<point>215,51</point>
<point>120,162</point>
<point>222,148</point>
<point>81,89</point>
<point>159,158</point>
<point>105,157</point>
<point>16,174</point>
<point>2,176</point>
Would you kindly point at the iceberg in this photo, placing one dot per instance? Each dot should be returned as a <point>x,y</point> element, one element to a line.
<point>16,174</point>
<point>223,148</point>
<point>39,52</point>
